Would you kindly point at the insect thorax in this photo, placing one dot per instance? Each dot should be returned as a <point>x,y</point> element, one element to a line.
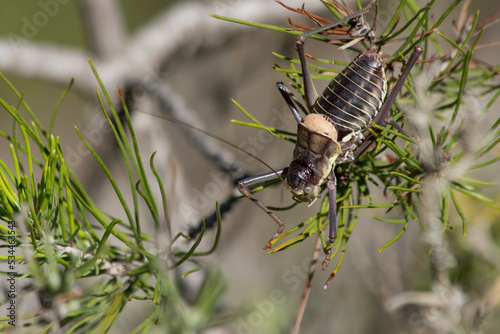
<point>313,158</point>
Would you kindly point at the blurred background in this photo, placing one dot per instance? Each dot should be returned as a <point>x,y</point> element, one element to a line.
<point>205,63</point>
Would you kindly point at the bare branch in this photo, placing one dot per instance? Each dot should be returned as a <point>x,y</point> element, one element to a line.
<point>177,109</point>
<point>184,24</point>
<point>105,27</point>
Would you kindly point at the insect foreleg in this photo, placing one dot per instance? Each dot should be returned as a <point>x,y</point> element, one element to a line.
<point>287,95</point>
<point>258,180</point>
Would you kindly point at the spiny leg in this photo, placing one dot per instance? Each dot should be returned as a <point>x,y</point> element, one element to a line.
<point>384,111</point>
<point>310,92</point>
<point>382,116</point>
<point>331,184</point>
<point>287,95</point>
<point>257,180</point>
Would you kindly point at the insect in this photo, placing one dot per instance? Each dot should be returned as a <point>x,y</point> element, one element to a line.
<point>333,132</point>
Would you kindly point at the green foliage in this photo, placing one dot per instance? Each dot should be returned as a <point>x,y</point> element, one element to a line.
<point>437,103</point>
<point>63,238</point>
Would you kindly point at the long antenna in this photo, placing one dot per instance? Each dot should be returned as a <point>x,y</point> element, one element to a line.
<point>216,138</point>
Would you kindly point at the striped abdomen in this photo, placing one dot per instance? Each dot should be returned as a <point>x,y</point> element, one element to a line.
<point>355,96</point>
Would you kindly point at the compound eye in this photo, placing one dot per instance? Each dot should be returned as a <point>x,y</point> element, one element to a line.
<point>308,190</point>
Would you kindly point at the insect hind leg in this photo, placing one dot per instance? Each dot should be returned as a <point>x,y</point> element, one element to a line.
<point>382,116</point>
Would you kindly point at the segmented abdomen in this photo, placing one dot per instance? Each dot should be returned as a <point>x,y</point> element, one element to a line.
<point>355,96</point>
